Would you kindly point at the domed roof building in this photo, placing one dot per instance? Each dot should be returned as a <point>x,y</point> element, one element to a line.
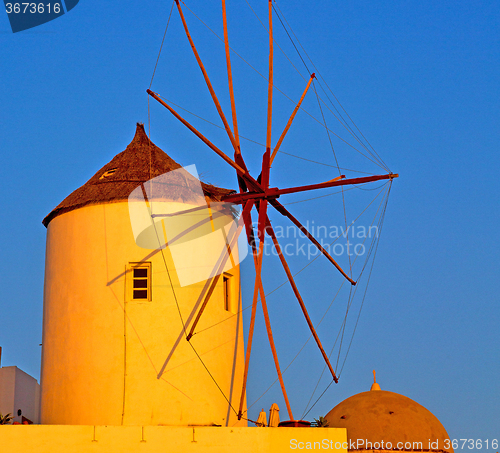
<point>386,421</point>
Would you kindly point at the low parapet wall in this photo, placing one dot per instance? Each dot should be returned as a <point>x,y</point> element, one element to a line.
<point>166,439</point>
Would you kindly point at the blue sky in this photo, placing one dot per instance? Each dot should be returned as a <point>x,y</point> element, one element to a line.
<point>420,79</point>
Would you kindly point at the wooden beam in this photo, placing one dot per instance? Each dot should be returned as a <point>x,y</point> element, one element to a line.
<point>230,80</point>
<point>248,352</point>
<point>273,349</point>
<point>325,185</point>
<point>259,288</point>
<point>274,192</point>
<point>219,268</point>
<point>270,231</point>
<point>207,80</point>
<point>199,134</point>
<point>292,116</point>
<point>281,209</point>
<point>270,81</point>
<point>253,184</point>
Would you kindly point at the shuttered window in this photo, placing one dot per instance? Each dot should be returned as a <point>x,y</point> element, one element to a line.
<point>140,278</point>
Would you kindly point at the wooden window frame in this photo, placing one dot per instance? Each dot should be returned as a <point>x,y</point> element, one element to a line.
<point>227,291</point>
<point>134,282</point>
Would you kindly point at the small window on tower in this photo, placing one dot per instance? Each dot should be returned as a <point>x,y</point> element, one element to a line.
<point>140,279</point>
<point>226,284</point>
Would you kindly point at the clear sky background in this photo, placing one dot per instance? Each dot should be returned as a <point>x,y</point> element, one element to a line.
<point>419,78</point>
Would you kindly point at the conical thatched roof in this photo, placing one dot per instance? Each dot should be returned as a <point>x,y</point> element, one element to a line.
<point>123,174</point>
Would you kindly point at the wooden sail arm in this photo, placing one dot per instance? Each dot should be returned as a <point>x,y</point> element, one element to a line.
<point>262,224</point>
<point>233,164</point>
<point>270,80</point>
<point>237,152</point>
<point>186,211</point>
<point>275,354</point>
<point>338,178</point>
<point>206,297</point>
<point>248,350</point>
<point>334,183</point>
<point>238,158</point>
<point>266,165</point>
<point>258,281</point>
<point>277,246</point>
<point>282,210</point>
<point>219,266</point>
<point>292,116</point>
<point>230,80</point>
<point>207,80</point>
<point>258,288</point>
<point>185,232</point>
<point>275,192</point>
<point>272,194</point>
<point>240,169</point>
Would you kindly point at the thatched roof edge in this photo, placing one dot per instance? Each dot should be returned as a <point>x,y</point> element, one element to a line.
<point>138,163</point>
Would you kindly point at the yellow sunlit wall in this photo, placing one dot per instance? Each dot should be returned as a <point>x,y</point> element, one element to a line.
<point>160,439</point>
<point>111,360</point>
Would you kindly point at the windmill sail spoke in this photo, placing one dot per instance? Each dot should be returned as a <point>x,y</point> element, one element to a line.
<point>238,158</point>
<point>277,246</point>
<point>207,80</point>
<point>270,80</point>
<point>281,209</point>
<point>241,169</point>
<point>230,81</point>
<point>263,222</point>
<point>258,288</point>
<point>258,281</point>
<point>273,349</point>
<point>333,183</point>
<point>219,266</point>
<point>205,140</point>
<point>243,173</point>
<point>257,256</point>
<point>248,350</point>
<point>292,116</point>
<point>273,193</point>
<point>255,192</point>
<point>266,166</point>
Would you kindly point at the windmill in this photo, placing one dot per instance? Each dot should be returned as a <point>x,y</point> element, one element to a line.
<point>256,194</point>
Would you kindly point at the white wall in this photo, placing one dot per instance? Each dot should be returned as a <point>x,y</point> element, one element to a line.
<point>7,390</point>
<point>18,390</point>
